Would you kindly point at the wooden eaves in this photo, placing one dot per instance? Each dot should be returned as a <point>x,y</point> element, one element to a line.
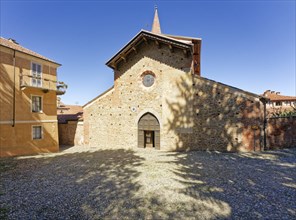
<point>158,39</point>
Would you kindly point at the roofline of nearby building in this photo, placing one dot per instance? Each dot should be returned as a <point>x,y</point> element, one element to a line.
<point>99,96</point>
<point>67,105</point>
<point>282,99</point>
<point>164,37</point>
<point>182,37</point>
<point>277,97</point>
<point>235,88</point>
<point>48,60</point>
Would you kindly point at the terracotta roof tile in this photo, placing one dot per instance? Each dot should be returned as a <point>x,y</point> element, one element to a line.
<point>275,96</point>
<point>12,45</point>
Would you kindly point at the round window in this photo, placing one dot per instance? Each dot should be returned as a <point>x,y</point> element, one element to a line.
<point>148,80</point>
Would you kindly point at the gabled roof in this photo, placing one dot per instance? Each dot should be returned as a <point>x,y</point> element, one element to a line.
<point>9,43</point>
<point>144,35</point>
<point>183,38</point>
<point>232,87</point>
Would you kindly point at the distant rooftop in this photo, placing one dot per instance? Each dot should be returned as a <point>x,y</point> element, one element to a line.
<point>276,96</point>
<point>69,113</point>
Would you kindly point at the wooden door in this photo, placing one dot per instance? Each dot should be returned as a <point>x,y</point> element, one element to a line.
<point>141,143</point>
<point>148,131</point>
<point>157,140</point>
<point>149,138</point>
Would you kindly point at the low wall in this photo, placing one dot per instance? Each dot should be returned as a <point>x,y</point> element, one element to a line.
<point>281,132</point>
<point>71,134</point>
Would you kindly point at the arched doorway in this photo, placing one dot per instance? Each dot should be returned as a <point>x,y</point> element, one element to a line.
<point>148,132</point>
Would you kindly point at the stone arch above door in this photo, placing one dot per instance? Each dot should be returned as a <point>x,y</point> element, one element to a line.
<point>148,131</point>
<point>151,111</point>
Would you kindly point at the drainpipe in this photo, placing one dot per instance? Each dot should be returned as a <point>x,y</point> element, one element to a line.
<point>264,101</point>
<point>264,126</point>
<point>13,101</point>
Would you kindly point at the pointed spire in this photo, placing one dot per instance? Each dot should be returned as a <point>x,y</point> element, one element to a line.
<point>156,25</point>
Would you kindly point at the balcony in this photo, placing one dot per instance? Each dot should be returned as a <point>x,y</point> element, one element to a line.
<point>44,84</point>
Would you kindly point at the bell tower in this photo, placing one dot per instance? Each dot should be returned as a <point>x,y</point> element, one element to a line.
<point>156,24</point>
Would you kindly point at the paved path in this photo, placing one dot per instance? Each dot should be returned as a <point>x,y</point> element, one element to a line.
<point>148,184</point>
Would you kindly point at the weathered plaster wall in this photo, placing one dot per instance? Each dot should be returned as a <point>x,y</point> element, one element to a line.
<point>17,140</point>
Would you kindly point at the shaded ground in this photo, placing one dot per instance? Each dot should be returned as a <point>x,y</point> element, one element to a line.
<point>125,184</point>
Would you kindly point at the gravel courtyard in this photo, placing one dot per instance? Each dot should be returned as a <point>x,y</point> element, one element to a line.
<point>149,184</point>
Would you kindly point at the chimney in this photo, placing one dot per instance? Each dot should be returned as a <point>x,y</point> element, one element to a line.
<point>266,93</point>
<point>13,41</point>
<point>58,102</point>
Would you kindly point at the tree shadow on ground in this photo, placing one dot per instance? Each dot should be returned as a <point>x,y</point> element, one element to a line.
<point>105,184</point>
<point>253,185</point>
<point>86,185</point>
<point>117,184</point>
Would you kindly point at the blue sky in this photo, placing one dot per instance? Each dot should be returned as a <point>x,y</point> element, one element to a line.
<point>246,44</point>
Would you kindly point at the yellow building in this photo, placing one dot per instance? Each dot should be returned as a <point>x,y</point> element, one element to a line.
<point>28,101</point>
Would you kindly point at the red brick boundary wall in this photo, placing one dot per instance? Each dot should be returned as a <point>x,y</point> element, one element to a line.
<point>281,132</point>
<point>71,133</point>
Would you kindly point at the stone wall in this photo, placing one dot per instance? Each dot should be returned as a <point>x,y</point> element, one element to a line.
<point>111,120</point>
<point>216,117</point>
<point>71,133</point>
<point>281,132</point>
<point>194,113</point>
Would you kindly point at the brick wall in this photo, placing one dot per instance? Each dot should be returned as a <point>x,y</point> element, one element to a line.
<point>223,118</point>
<point>111,120</point>
<point>71,134</point>
<point>281,132</point>
<point>194,113</point>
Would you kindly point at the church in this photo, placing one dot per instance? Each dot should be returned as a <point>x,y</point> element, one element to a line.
<point>160,100</point>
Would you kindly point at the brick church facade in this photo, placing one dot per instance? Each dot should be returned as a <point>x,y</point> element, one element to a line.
<point>160,100</point>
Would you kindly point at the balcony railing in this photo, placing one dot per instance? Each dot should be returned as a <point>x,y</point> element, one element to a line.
<point>28,81</point>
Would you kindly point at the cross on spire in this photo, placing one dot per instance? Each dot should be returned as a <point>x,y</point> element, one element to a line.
<point>156,25</point>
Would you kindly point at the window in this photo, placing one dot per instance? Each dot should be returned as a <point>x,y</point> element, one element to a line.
<point>36,104</point>
<point>278,103</point>
<point>148,78</point>
<point>37,132</point>
<point>36,75</point>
